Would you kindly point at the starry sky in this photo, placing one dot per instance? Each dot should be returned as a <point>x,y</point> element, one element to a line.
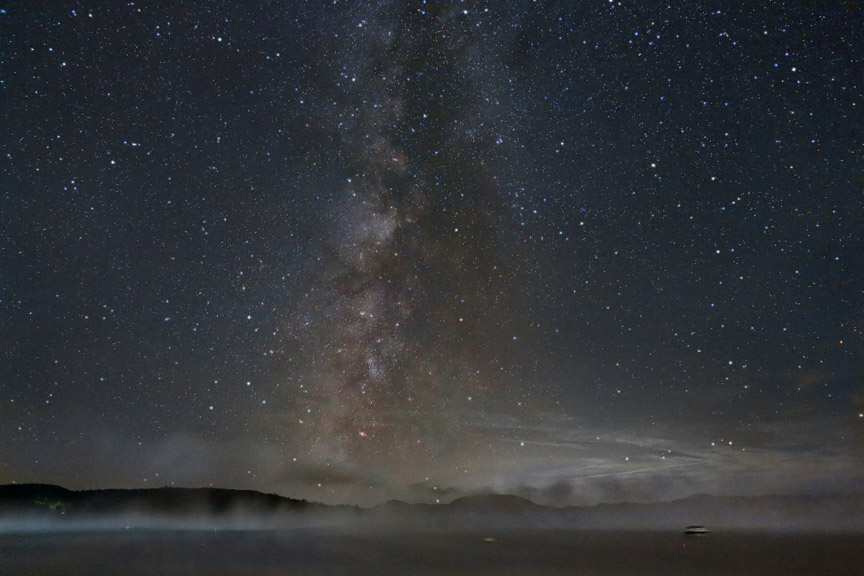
<point>347,251</point>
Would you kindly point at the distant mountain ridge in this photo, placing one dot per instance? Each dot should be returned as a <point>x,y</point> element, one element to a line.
<point>494,502</point>
<point>42,498</point>
<point>45,502</point>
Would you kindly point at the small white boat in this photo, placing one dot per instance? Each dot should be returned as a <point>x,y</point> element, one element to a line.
<point>696,531</point>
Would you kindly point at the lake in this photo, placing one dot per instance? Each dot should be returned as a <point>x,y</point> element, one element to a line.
<point>378,550</point>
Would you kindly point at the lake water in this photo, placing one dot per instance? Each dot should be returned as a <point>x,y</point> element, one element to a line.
<point>374,551</point>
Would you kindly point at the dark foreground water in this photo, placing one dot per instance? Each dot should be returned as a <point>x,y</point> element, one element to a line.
<point>333,552</point>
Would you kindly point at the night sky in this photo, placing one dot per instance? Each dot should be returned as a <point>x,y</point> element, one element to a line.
<point>581,251</point>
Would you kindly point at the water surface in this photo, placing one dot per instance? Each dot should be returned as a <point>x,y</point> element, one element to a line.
<point>375,551</point>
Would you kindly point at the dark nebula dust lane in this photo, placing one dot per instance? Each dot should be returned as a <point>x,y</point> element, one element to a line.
<point>415,277</point>
<point>355,251</point>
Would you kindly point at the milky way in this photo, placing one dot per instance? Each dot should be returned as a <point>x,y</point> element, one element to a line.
<point>581,252</point>
<point>415,281</point>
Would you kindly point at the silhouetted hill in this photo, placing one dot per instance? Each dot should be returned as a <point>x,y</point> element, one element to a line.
<point>494,502</point>
<point>23,492</point>
<point>395,505</point>
<point>43,499</point>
